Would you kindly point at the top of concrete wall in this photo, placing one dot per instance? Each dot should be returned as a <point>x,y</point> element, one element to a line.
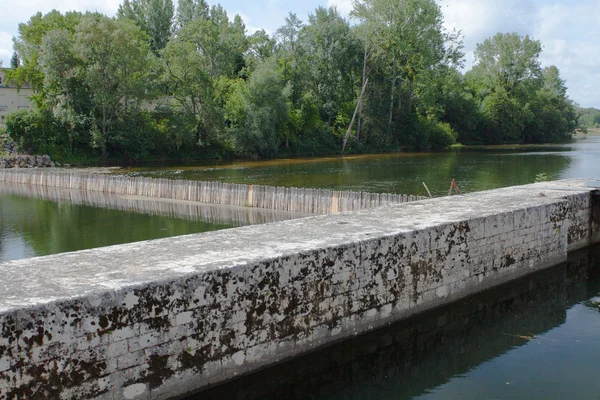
<point>41,280</point>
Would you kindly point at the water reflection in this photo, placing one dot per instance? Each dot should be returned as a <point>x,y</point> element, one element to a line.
<point>473,168</point>
<point>36,220</point>
<point>529,339</point>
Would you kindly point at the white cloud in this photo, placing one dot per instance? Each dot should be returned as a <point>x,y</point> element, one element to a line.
<point>5,48</point>
<point>343,6</point>
<point>480,19</point>
<point>568,30</point>
<point>250,28</point>
<point>22,10</point>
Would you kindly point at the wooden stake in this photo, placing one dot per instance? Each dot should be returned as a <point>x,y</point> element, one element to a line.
<point>428,192</point>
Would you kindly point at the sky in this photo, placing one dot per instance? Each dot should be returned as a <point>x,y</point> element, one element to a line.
<point>568,29</point>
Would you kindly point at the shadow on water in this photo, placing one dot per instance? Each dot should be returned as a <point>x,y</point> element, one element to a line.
<point>411,358</point>
<point>37,220</point>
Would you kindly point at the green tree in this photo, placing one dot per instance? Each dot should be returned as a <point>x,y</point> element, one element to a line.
<point>15,61</point>
<point>205,52</point>
<point>332,58</point>
<point>291,56</point>
<point>260,48</point>
<point>554,116</point>
<point>189,10</point>
<point>59,66</point>
<point>27,45</point>
<point>408,37</point>
<point>155,17</point>
<point>510,62</point>
<point>258,112</point>
<point>114,67</point>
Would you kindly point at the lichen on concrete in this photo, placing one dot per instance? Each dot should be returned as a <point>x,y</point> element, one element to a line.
<point>166,317</point>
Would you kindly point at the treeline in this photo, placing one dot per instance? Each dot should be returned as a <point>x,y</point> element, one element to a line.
<point>163,83</point>
<point>589,117</point>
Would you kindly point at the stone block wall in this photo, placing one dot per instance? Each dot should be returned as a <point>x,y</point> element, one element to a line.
<point>206,308</point>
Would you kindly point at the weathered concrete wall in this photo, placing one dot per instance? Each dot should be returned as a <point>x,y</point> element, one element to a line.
<point>158,319</point>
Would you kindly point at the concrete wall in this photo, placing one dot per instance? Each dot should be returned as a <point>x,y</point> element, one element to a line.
<point>158,319</point>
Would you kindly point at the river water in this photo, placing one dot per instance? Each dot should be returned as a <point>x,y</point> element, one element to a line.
<point>37,221</point>
<point>473,169</point>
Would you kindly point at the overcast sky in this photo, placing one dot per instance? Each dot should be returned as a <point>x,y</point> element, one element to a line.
<point>568,29</point>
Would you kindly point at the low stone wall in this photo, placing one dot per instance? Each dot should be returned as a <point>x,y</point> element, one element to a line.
<point>159,319</point>
<point>26,161</point>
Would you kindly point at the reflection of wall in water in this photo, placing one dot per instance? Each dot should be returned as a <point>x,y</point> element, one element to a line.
<point>216,214</point>
<point>407,359</point>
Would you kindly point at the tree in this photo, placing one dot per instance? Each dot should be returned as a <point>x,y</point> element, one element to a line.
<point>27,45</point>
<point>555,118</point>
<point>291,55</point>
<point>58,64</point>
<point>331,51</point>
<point>114,67</point>
<point>260,48</point>
<point>15,62</point>
<point>189,10</point>
<point>155,17</point>
<point>510,62</point>
<point>258,112</point>
<point>408,38</point>
<point>205,52</point>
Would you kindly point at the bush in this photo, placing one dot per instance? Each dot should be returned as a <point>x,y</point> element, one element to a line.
<point>431,134</point>
<point>35,131</point>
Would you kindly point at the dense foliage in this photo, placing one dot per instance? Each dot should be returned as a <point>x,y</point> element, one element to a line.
<point>159,82</point>
<point>589,117</point>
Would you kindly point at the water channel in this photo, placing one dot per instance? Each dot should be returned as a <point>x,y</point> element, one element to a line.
<point>538,338</point>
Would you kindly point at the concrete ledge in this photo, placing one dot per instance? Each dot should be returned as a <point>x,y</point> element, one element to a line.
<point>163,318</point>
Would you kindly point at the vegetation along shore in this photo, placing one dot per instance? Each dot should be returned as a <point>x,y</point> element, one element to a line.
<point>161,82</point>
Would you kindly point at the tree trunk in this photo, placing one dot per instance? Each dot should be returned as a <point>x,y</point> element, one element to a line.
<point>354,115</point>
<point>392,88</point>
<point>410,95</point>
<point>364,77</point>
<point>104,133</point>
<point>399,94</point>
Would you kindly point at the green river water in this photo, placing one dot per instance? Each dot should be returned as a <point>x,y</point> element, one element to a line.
<point>537,338</point>
<point>473,169</point>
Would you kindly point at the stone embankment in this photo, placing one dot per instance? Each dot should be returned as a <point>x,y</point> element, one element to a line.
<point>26,161</point>
<point>14,159</point>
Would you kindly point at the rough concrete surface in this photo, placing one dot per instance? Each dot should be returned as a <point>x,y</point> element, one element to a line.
<point>158,319</point>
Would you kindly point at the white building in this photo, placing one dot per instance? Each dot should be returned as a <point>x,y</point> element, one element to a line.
<point>11,98</point>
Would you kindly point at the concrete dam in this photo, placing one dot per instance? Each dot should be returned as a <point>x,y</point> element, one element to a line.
<point>168,317</point>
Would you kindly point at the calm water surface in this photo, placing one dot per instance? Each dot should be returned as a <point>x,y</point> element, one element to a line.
<point>37,221</point>
<point>537,338</point>
<point>474,169</point>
